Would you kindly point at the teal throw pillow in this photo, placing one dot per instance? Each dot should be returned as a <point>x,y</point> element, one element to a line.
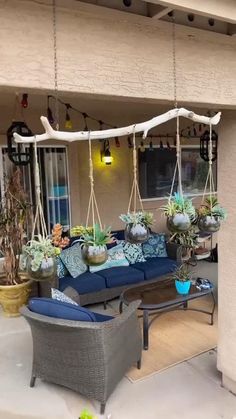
<point>116,257</point>
<point>133,252</point>
<point>155,246</point>
<point>73,261</point>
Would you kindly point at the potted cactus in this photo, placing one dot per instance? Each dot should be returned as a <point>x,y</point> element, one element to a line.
<point>210,215</point>
<point>180,213</point>
<point>94,241</point>
<point>182,277</point>
<point>137,226</point>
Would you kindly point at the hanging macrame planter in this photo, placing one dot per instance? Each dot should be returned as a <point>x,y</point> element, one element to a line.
<point>39,255</point>
<point>138,223</point>
<point>210,213</point>
<point>95,238</point>
<point>179,210</point>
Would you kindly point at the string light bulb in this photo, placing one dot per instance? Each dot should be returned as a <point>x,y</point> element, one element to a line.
<point>106,154</point>
<point>24,100</point>
<point>68,123</point>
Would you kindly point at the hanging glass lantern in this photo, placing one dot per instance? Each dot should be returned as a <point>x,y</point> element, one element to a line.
<point>178,223</point>
<point>46,270</point>
<point>94,255</point>
<point>205,145</point>
<point>136,233</point>
<point>16,152</point>
<point>209,223</point>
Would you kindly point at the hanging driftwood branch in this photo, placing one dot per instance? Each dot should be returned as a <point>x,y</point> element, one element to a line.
<point>51,134</point>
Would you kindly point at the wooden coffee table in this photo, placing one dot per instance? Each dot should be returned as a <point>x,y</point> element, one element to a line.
<point>161,296</point>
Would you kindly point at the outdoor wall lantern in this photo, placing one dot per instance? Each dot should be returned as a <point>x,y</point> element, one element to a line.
<point>204,145</point>
<point>106,156</point>
<point>16,153</point>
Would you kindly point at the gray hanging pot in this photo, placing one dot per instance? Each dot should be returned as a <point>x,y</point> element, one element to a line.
<point>209,224</point>
<point>136,233</point>
<point>46,271</point>
<point>94,255</point>
<point>178,223</point>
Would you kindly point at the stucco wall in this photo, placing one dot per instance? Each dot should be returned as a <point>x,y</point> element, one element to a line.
<point>106,52</point>
<point>227,254</point>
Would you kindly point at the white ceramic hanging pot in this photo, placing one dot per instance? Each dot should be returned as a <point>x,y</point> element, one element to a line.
<point>46,271</point>
<point>136,233</point>
<point>178,223</point>
<point>209,224</point>
<point>94,255</point>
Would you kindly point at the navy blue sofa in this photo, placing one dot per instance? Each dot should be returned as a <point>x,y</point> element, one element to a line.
<point>109,283</point>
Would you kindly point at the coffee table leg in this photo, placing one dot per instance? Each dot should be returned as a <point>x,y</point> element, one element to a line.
<point>145,329</point>
<point>121,307</point>
<point>213,309</point>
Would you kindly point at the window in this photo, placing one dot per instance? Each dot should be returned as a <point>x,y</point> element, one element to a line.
<point>54,183</point>
<point>156,169</point>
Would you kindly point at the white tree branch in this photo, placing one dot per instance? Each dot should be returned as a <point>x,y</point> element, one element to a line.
<point>51,134</point>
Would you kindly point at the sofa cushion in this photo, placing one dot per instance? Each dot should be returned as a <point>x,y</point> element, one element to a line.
<point>116,277</point>
<point>155,246</point>
<point>60,296</point>
<point>116,257</point>
<point>72,259</point>
<point>155,267</point>
<point>60,310</point>
<point>133,252</point>
<point>84,283</point>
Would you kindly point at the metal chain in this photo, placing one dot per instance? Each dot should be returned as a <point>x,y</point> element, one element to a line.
<point>174,60</point>
<point>55,63</point>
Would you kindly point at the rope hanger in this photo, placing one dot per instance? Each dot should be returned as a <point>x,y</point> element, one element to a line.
<point>210,178</point>
<point>177,164</point>
<point>92,205</point>
<point>135,192</point>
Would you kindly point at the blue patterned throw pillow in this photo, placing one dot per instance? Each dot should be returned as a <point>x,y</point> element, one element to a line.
<point>61,269</point>
<point>72,260</point>
<point>155,246</point>
<point>133,252</point>
<point>60,296</point>
<point>116,257</point>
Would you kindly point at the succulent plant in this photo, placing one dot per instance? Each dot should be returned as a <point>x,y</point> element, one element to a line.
<point>141,217</point>
<point>95,236</point>
<point>38,250</point>
<point>211,208</point>
<point>80,230</point>
<point>179,205</point>
<point>182,273</point>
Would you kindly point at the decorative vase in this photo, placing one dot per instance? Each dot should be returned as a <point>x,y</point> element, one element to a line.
<point>182,287</point>
<point>209,224</point>
<point>46,271</point>
<point>12,297</point>
<point>136,233</point>
<point>94,255</point>
<point>178,223</point>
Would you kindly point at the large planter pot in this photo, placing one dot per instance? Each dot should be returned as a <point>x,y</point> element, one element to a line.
<point>12,297</point>
<point>209,224</point>
<point>94,255</point>
<point>182,287</point>
<point>178,223</point>
<point>46,271</point>
<point>136,233</point>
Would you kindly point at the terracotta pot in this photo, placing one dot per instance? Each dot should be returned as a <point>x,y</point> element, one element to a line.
<point>209,224</point>
<point>12,297</point>
<point>46,270</point>
<point>136,233</point>
<point>178,223</point>
<point>94,255</point>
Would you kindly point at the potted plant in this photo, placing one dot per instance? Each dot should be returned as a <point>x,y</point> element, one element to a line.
<point>94,241</point>
<point>182,277</point>
<point>14,210</point>
<point>187,240</point>
<point>180,213</point>
<point>39,258</point>
<point>85,414</point>
<point>210,215</point>
<point>137,226</point>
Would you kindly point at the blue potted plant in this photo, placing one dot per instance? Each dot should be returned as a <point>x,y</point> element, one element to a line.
<point>182,277</point>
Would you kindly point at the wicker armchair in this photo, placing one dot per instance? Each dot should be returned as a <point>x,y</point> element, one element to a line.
<point>90,358</point>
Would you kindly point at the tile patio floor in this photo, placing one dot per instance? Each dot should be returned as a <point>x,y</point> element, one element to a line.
<point>190,390</point>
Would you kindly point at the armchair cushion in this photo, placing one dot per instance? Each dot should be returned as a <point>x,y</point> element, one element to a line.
<point>60,310</point>
<point>155,246</point>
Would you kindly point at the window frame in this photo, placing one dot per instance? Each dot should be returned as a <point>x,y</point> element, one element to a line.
<point>189,195</point>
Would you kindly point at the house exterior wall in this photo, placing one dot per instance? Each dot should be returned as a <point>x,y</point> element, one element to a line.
<point>106,52</point>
